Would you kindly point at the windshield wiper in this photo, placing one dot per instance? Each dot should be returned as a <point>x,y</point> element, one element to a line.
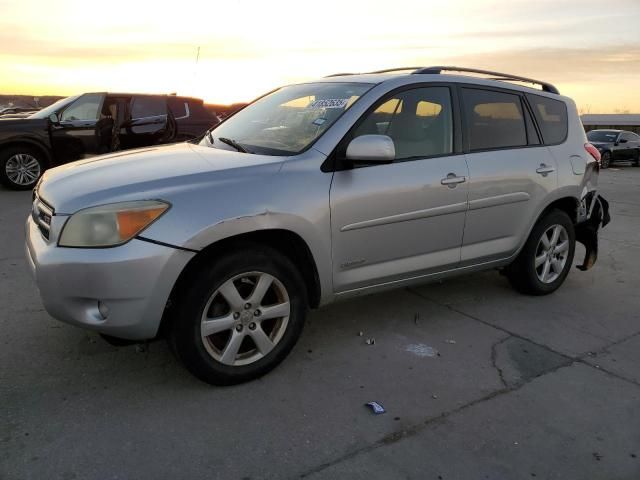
<point>234,144</point>
<point>210,136</point>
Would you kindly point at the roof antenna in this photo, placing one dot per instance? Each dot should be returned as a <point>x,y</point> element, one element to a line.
<point>195,71</point>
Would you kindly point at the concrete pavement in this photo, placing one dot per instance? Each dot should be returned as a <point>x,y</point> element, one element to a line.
<point>478,382</point>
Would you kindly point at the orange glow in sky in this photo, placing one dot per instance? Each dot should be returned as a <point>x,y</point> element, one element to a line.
<point>247,47</point>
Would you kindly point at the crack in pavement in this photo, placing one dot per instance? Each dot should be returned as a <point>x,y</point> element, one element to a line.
<point>578,359</point>
<point>494,357</point>
<point>419,427</point>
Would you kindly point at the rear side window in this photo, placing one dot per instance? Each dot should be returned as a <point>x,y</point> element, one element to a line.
<point>494,119</point>
<point>551,116</point>
<point>148,107</point>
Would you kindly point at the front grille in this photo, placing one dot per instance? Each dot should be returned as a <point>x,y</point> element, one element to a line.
<point>42,213</point>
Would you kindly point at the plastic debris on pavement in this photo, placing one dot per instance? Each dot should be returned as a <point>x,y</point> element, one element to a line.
<point>376,408</point>
<point>422,350</point>
<point>370,341</point>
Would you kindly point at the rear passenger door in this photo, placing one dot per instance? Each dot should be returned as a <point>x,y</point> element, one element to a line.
<point>147,124</point>
<point>510,171</point>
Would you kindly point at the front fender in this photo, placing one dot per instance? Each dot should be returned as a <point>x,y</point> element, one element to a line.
<point>316,238</point>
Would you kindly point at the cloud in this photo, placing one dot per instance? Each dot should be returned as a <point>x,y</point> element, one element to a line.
<point>560,64</point>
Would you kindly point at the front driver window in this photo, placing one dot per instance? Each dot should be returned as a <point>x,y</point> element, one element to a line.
<point>418,121</point>
<point>85,108</point>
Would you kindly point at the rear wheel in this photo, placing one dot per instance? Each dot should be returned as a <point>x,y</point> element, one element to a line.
<point>240,316</point>
<point>605,160</point>
<point>20,167</point>
<point>545,261</point>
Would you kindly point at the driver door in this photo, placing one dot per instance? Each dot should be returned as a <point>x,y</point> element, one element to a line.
<point>397,221</point>
<point>76,133</point>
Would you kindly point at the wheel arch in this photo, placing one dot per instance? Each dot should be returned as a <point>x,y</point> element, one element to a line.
<point>568,204</point>
<point>24,142</point>
<point>286,242</point>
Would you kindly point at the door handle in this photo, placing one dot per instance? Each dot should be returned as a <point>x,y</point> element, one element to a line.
<point>452,180</point>
<point>544,170</point>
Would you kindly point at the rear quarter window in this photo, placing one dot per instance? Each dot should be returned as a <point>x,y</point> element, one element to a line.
<point>178,108</point>
<point>551,116</point>
<point>494,119</point>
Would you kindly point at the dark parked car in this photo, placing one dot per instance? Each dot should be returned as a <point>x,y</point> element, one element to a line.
<point>17,110</point>
<point>615,145</point>
<point>94,123</point>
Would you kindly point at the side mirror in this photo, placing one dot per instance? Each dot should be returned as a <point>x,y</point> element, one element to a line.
<point>371,148</point>
<point>53,118</point>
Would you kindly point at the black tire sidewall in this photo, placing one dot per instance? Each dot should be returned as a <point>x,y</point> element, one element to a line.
<point>523,273</point>
<point>6,154</point>
<point>608,161</point>
<point>185,329</point>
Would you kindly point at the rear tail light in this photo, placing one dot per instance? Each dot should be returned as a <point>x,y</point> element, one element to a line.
<point>593,151</point>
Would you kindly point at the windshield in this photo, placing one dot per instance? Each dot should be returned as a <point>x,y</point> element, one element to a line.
<point>602,136</point>
<point>54,107</point>
<point>287,121</point>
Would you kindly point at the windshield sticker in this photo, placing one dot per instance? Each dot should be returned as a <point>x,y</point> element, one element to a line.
<point>319,121</point>
<point>330,103</point>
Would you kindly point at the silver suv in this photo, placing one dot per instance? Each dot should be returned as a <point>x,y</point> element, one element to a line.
<point>316,192</point>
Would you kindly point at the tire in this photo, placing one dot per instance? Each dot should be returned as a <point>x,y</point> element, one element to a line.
<point>636,162</point>
<point>527,273</point>
<point>605,160</point>
<point>21,167</point>
<point>202,307</point>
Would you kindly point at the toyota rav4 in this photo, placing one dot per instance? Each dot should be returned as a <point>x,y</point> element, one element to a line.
<point>316,192</point>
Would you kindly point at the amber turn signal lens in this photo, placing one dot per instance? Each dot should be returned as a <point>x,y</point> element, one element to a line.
<point>132,221</point>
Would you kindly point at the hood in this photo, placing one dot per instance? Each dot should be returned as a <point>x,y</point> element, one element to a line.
<point>166,172</point>
<point>7,123</point>
<point>601,144</point>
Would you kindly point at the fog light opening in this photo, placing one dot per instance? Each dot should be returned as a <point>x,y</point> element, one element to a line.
<point>103,309</point>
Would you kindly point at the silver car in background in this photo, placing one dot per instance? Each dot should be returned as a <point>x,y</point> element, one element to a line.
<point>319,191</point>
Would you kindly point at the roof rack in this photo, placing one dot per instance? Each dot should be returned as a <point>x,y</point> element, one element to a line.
<point>503,77</point>
<point>339,74</point>
<point>546,87</point>
<point>400,69</point>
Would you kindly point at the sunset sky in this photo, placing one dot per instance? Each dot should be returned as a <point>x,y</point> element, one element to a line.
<point>589,48</point>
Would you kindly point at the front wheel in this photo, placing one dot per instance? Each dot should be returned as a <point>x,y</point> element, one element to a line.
<point>545,261</point>
<point>20,167</point>
<point>240,316</point>
<point>605,160</point>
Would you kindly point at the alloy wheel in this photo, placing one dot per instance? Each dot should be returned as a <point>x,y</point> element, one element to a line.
<point>551,253</point>
<point>245,318</point>
<point>23,169</point>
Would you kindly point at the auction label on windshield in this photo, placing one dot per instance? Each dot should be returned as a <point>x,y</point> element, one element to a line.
<point>330,103</point>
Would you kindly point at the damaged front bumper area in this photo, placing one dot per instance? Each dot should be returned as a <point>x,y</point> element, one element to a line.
<point>592,215</point>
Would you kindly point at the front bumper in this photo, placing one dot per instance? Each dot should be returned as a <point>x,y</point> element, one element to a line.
<point>134,281</point>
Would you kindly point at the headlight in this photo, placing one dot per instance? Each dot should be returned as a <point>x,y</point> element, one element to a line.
<point>110,225</point>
